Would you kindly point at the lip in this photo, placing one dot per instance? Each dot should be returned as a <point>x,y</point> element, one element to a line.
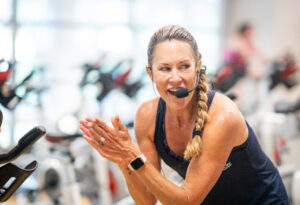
<point>173,90</point>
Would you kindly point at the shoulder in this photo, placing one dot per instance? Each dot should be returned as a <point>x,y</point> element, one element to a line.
<point>224,109</point>
<point>147,111</point>
<point>226,121</point>
<point>145,118</point>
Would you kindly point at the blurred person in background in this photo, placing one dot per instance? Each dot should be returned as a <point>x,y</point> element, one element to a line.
<point>250,62</point>
<point>243,46</point>
<point>201,135</point>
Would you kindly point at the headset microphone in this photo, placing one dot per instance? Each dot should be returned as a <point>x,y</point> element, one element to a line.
<point>183,92</point>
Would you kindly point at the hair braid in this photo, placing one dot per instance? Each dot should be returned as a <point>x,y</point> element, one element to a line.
<point>194,146</point>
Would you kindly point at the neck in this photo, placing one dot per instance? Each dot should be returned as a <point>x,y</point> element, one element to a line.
<point>182,117</point>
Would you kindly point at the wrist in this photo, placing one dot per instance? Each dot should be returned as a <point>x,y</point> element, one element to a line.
<point>129,157</point>
<point>137,162</point>
<point>125,169</point>
<point>132,153</point>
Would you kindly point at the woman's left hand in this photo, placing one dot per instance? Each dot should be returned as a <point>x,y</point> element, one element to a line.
<point>113,143</point>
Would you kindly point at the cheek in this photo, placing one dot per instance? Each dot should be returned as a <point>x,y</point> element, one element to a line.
<point>160,84</point>
<point>159,78</point>
<point>191,77</point>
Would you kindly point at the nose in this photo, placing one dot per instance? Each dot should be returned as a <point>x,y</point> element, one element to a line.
<point>175,76</point>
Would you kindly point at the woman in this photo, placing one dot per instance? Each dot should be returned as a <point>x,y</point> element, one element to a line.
<point>243,45</point>
<point>203,136</point>
<point>245,69</point>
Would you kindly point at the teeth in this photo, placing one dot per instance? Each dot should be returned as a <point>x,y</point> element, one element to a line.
<point>173,90</point>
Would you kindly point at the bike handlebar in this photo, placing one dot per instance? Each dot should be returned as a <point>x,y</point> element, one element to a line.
<point>24,144</point>
<point>57,138</point>
<point>287,108</point>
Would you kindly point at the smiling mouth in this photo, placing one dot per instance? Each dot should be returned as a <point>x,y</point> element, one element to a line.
<point>173,91</point>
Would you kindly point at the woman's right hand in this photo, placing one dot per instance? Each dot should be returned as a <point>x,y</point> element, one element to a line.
<point>113,143</point>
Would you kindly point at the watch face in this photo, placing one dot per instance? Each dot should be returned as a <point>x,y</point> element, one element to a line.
<point>137,163</point>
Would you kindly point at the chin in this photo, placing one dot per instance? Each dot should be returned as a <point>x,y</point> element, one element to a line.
<point>177,103</point>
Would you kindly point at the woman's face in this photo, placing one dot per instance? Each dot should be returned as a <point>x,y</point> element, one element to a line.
<point>174,67</point>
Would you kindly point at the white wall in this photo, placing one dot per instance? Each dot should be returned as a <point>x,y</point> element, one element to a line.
<point>287,27</point>
<point>277,23</point>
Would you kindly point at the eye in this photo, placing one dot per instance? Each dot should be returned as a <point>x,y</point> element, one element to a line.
<point>185,66</point>
<point>164,69</point>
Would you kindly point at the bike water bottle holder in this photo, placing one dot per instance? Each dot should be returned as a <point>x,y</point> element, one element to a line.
<point>12,177</point>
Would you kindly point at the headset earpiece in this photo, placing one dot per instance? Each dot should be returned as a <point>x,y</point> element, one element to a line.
<point>199,66</point>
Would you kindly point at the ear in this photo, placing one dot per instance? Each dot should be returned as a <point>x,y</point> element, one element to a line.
<point>149,72</point>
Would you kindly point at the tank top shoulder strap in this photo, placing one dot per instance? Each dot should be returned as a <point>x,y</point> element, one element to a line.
<point>159,125</point>
<point>160,113</point>
<point>211,96</point>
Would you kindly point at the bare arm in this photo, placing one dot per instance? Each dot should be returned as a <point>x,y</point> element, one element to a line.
<point>144,130</point>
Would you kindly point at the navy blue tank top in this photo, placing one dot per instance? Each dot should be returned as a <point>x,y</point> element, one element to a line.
<point>249,177</point>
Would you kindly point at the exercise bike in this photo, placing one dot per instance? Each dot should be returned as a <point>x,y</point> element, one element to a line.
<point>9,96</point>
<point>294,185</point>
<point>64,183</point>
<point>12,176</point>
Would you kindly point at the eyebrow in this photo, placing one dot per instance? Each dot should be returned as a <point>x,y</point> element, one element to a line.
<point>180,62</point>
<point>163,64</point>
<point>185,61</point>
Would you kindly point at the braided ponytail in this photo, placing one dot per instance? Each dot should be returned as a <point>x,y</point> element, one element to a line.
<point>194,146</point>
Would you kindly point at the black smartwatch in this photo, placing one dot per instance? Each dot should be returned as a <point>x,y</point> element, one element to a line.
<point>137,162</point>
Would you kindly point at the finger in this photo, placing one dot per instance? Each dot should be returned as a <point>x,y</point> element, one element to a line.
<point>101,136</point>
<point>92,141</point>
<point>107,134</point>
<point>96,137</point>
<point>101,132</point>
<point>103,125</point>
<point>93,127</point>
<point>111,137</point>
<point>107,153</point>
<point>95,144</point>
<point>98,144</point>
<point>107,141</point>
<point>88,119</point>
<point>113,121</point>
<point>83,123</point>
<point>120,124</point>
<point>87,132</point>
<point>95,122</point>
<point>91,122</point>
<point>112,142</point>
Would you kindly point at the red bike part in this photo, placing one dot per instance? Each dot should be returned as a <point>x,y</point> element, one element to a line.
<point>4,76</point>
<point>122,78</point>
<point>223,73</point>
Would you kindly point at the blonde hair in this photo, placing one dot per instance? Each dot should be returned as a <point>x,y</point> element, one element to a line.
<point>174,32</point>
<point>193,148</point>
